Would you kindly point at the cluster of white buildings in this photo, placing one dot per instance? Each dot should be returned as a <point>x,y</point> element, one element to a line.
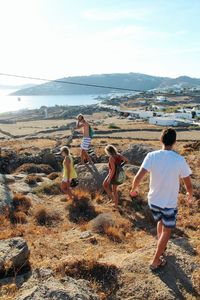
<point>159,117</point>
<point>186,117</point>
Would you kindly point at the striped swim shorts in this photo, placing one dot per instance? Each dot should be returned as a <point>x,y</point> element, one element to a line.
<point>166,215</point>
<point>85,143</point>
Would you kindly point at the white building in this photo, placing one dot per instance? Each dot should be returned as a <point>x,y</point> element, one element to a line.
<point>163,121</point>
<point>181,115</point>
<point>142,114</point>
<point>196,111</point>
<point>161,99</point>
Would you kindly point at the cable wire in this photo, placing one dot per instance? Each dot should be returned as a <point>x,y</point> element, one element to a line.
<point>70,82</point>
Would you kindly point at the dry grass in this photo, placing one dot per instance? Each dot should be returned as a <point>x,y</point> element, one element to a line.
<point>47,189</point>
<point>19,217</point>
<point>53,176</point>
<point>81,210</point>
<point>103,276</point>
<point>21,203</point>
<point>116,228</point>
<point>46,217</point>
<point>34,168</point>
<point>33,179</point>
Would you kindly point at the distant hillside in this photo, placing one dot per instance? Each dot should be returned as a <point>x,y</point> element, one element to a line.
<point>15,87</point>
<point>133,81</point>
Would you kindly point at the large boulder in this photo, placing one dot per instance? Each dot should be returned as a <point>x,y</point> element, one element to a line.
<point>137,152</point>
<point>174,281</point>
<point>47,287</point>
<point>5,195</point>
<point>14,255</point>
<point>91,177</point>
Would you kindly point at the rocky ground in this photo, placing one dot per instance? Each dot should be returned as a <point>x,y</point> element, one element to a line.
<point>54,249</point>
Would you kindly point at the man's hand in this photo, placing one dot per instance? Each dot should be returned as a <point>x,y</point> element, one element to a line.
<point>133,193</point>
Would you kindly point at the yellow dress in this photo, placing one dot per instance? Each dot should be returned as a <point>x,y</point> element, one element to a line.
<point>73,173</point>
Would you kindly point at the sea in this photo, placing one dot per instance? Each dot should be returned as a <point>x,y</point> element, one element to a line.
<point>15,103</point>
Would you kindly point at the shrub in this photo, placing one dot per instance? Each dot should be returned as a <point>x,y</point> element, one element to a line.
<point>115,229</point>
<point>53,176</point>
<point>19,217</point>
<point>81,210</point>
<point>113,126</point>
<point>114,233</point>
<point>48,189</point>
<point>33,179</point>
<point>104,275</point>
<point>21,202</point>
<point>45,217</point>
<point>34,168</point>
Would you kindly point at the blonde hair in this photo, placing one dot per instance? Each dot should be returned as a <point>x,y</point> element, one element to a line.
<point>65,149</point>
<point>80,116</point>
<point>110,150</point>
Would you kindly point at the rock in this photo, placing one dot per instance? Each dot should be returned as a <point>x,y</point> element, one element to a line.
<point>14,255</point>
<point>101,222</point>
<point>21,187</point>
<point>132,169</point>
<point>85,234</point>
<point>91,176</point>
<point>137,152</point>
<point>8,179</point>
<point>5,195</point>
<point>170,283</point>
<point>53,289</point>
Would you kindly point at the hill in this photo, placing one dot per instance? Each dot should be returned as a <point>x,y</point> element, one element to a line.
<point>133,81</point>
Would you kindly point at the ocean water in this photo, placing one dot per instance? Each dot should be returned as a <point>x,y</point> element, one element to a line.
<point>14,103</point>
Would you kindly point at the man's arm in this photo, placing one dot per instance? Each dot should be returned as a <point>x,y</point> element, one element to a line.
<point>137,179</point>
<point>189,189</point>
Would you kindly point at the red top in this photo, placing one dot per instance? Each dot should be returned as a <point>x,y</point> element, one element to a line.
<point>118,159</point>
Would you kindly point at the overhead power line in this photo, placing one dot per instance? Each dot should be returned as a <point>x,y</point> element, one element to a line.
<point>70,82</point>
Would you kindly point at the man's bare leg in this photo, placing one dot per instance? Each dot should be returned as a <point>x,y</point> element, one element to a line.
<point>161,245</point>
<point>159,229</point>
<point>87,157</point>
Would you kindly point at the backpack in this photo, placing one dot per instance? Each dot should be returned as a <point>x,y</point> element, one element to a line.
<point>91,132</point>
<point>119,176</point>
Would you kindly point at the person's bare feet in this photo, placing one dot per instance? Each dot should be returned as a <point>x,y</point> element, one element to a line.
<point>157,265</point>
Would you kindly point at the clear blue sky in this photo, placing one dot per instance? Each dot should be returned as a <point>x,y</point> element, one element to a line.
<point>57,38</point>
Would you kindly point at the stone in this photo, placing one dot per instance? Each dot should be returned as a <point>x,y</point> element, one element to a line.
<point>53,289</point>
<point>137,152</point>
<point>91,177</point>
<point>5,195</point>
<point>14,254</point>
<point>85,234</point>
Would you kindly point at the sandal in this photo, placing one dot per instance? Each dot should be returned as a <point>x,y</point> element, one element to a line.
<point>162,264</point>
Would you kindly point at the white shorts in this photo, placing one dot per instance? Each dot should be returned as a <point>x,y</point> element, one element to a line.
<point>66,180</point>
<point>85,143</point>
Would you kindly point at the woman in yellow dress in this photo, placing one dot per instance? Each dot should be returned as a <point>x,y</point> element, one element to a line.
<point>69,172</point>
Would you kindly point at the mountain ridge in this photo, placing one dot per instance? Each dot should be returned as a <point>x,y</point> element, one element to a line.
<point>135,81</point>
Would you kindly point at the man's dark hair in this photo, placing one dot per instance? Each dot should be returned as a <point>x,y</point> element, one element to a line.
<point>168,136</point>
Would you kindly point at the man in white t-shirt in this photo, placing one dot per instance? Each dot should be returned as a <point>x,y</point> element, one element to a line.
<point>166,167</point>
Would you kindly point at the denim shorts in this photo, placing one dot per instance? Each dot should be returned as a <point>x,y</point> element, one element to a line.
<point>166,215</point>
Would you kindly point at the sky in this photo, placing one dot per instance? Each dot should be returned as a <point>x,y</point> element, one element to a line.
<point>60,38</point>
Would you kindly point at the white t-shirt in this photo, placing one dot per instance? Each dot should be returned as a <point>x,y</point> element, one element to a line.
<point>166,167</point>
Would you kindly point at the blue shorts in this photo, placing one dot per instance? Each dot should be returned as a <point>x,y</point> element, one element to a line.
<point>166,215</point>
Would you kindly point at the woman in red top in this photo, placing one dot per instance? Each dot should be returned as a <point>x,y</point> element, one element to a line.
<point>109,183</point>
